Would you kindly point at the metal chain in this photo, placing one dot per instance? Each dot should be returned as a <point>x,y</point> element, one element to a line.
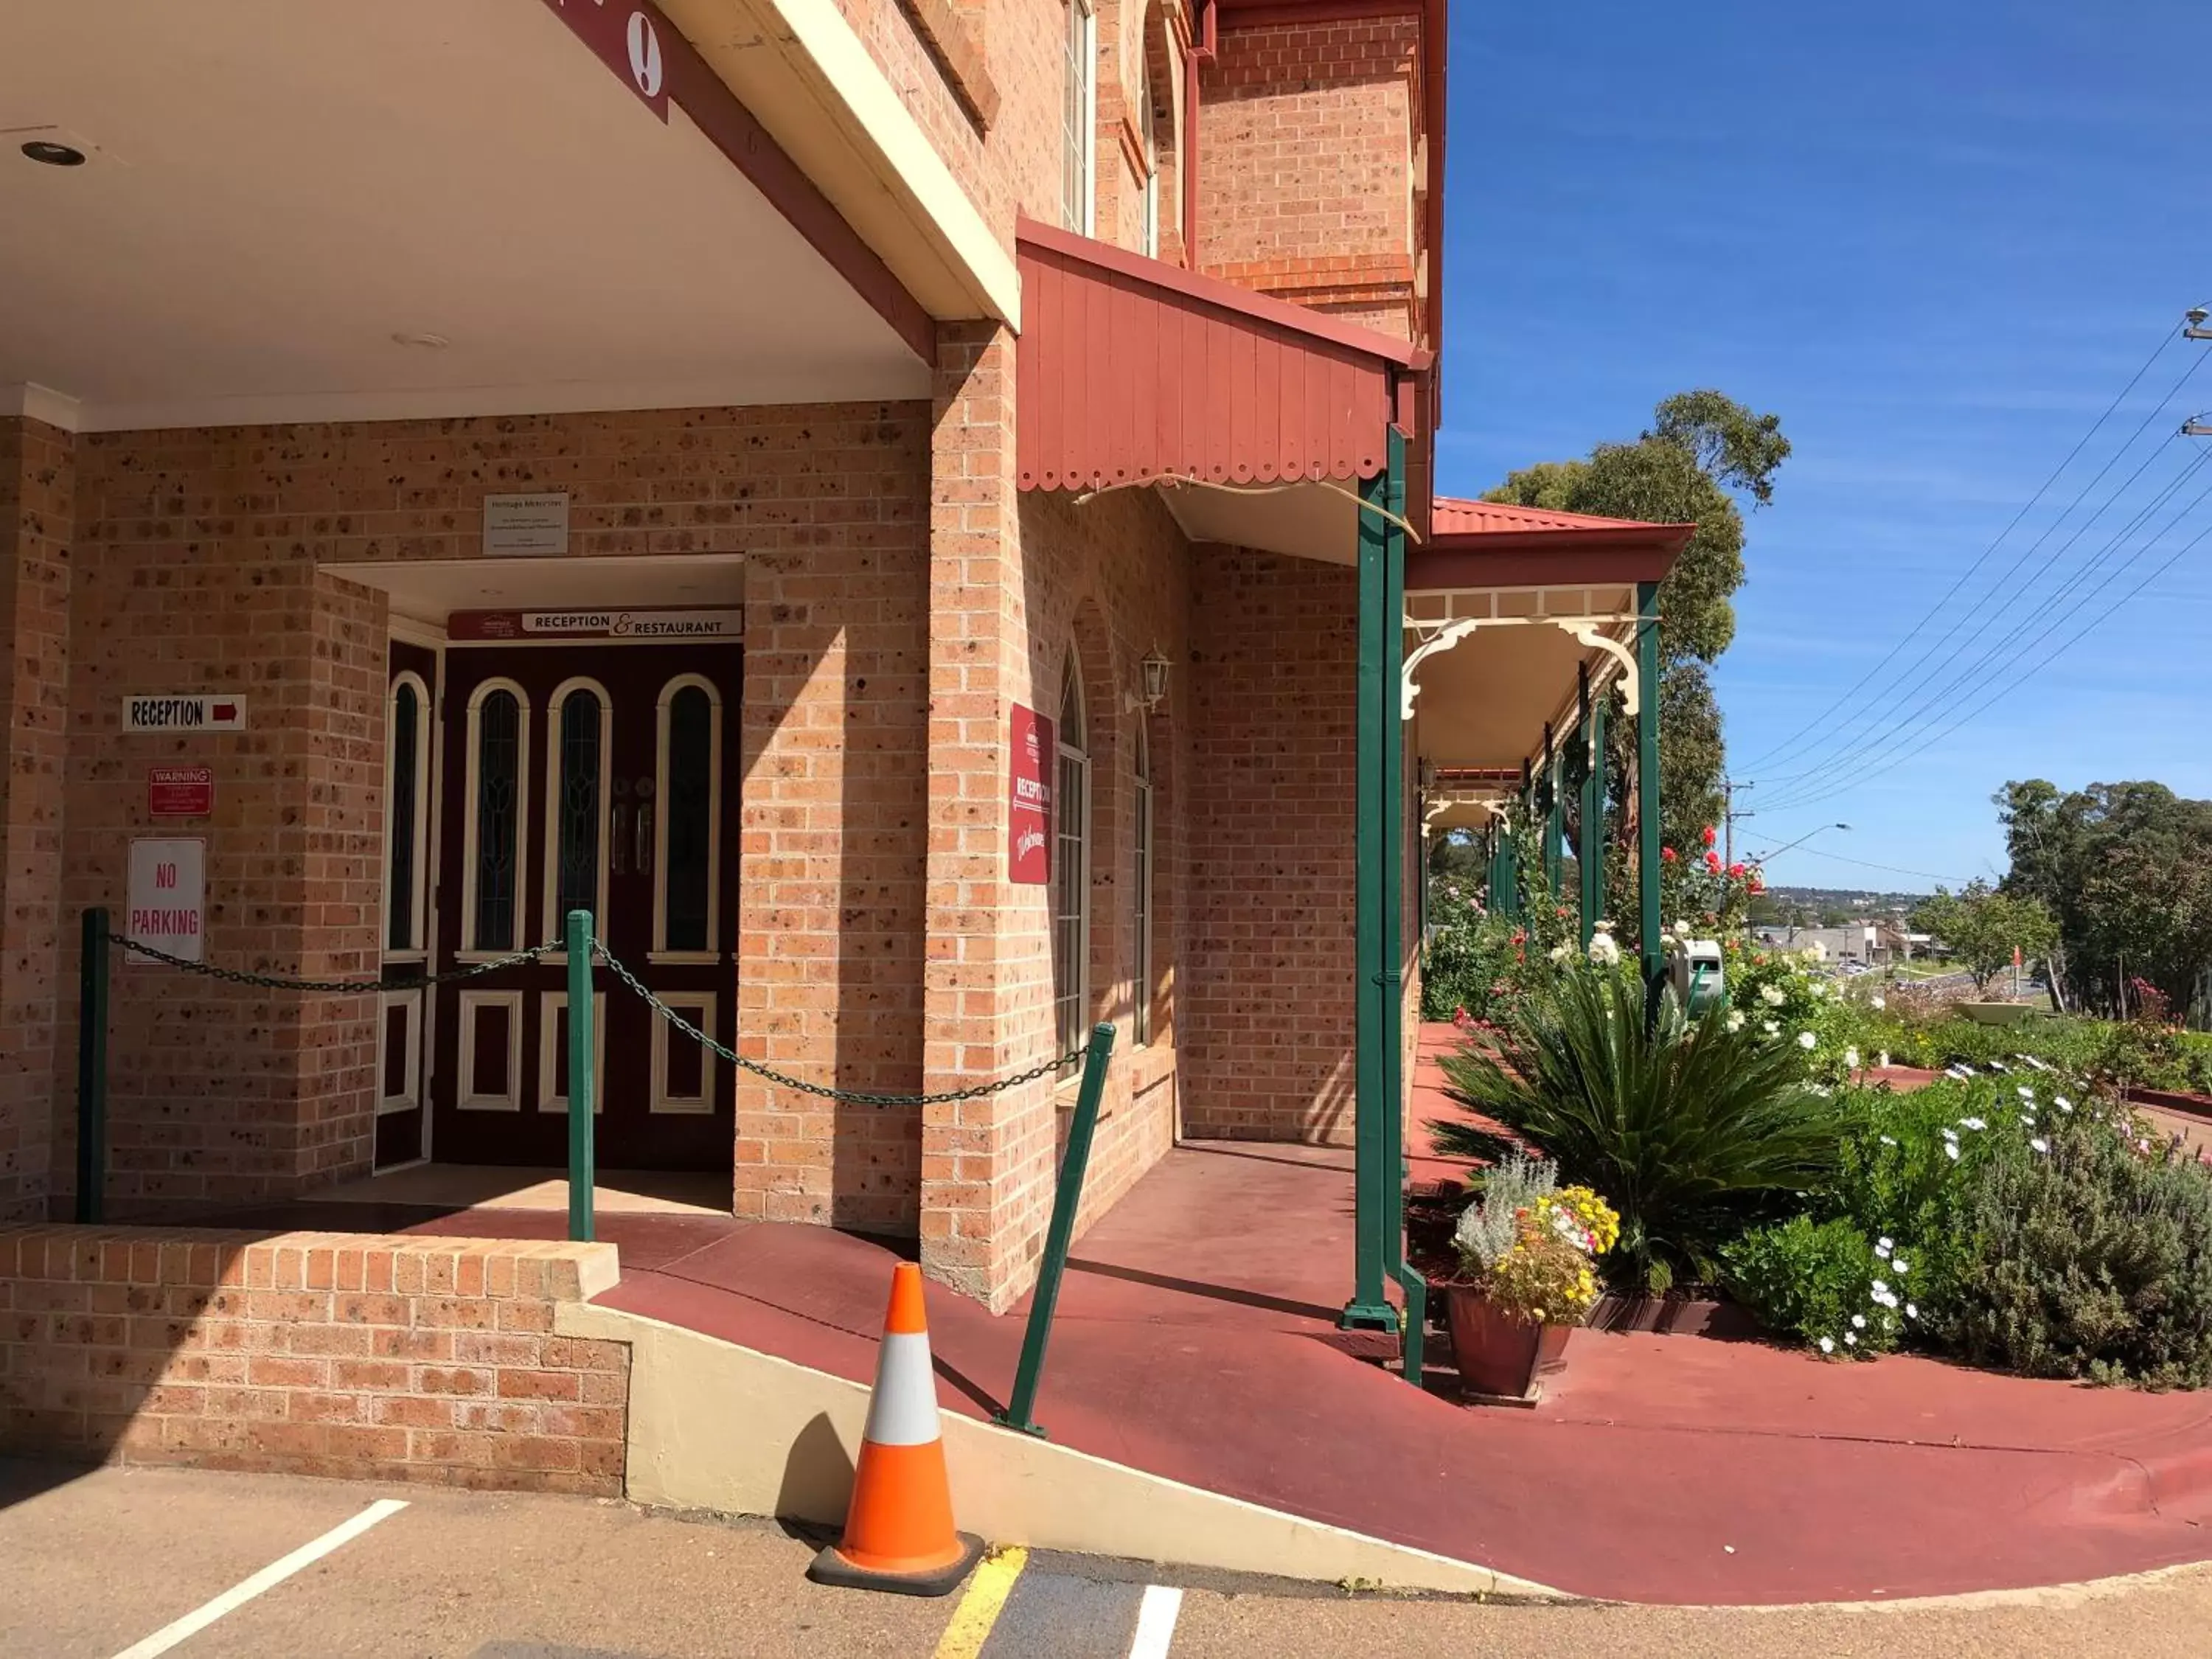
<point>335,987</point>
<point>354,987</point>
<point>854,1097</point>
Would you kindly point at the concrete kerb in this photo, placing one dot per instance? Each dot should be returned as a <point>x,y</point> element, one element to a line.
<point>714,1426</point>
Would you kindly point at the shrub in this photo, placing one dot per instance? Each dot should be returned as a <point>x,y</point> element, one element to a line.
<point>1685,1127</point>
<point>2091,1260</point>
<point>1821,1282</point>
<point>1486,1227</point>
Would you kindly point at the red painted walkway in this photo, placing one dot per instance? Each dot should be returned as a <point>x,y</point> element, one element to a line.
<point>1196,1340</point>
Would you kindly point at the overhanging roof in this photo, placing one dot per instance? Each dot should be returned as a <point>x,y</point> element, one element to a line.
<point>1497,545</point>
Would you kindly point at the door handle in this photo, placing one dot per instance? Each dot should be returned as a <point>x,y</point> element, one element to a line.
<point>644,839</point>
<point>619,852</point>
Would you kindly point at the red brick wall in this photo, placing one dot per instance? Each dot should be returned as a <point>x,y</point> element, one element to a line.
<point>1307,140</point>
<point>36,485</point>
<point>196,570</point>
<point>423,1359</point>
<point>1267,1026</point>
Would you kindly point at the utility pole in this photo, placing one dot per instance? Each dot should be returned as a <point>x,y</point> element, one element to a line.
<point>1729,815</point>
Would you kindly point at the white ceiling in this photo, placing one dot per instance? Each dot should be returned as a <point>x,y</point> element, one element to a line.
<point>430,590</point>
<point>277,188</point>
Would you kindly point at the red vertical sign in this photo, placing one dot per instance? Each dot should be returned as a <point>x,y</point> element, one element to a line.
<point>1030,752</point>
<point>629,40</point>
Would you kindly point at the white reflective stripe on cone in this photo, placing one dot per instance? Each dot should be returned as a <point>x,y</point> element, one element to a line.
<point>902,1410</point>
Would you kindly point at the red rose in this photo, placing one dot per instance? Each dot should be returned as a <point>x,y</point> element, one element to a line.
<point>1713,862</point>
<point>1711,834</point>
<point>1735,870</point>
<point>1666,856</point>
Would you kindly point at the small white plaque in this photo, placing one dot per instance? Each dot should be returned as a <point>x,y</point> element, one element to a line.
<point>534,524</point>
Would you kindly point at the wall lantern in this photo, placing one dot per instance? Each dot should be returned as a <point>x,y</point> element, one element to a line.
<point>1155,669</point>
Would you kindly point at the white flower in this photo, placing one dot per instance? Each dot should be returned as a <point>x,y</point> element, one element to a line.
<point>1817,950</point>
<point>1858,1321</point>
<point>1851,1060</point>
<point>1561,952</point>
<point>1806,1040</point>
<point>1851,1340</point>
<point>1884,1243</point>
<point>2040,1143</point>
<point>1682,929</point>
<point>1948,1133</point>
<point>1604,927</point>
<point>2064,1104</point>
<point>1817,989</point>
<point>1827,1345</point>
<point>1881,1061</point>
<point>1880,1289</point>
<point>1772,1029</point>
<point>1888,1140</point>
<point>1972,1123</point>
<point>1999,1066</point>
<point>1735,1020</point>
<point>1901,1265</point>
<point>1912,1312</point>
<point>1878,1001</point>
<point>1604,950</point>
<point>1772,995</point>
<point>1952,1147</point>
<point>2026,1093</point>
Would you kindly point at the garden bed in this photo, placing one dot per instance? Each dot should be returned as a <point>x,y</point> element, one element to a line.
<point>2172,1100</point>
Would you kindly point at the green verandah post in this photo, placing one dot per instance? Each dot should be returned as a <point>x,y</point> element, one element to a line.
<point>1647,781</point>
<point>1369,1307</point>
<point>583,1174</point>
<point>92,1070</point>
<point>1555,810</point>
<point>1591,853</point>
<point>1060,1233</point>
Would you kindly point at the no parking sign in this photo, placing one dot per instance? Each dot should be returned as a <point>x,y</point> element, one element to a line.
<point>167,897</point>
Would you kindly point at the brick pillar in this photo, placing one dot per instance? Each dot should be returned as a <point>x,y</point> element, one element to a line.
<point>986,1164</point>
<point>38,487</point>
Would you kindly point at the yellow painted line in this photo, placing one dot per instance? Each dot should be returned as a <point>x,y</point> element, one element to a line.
<point>980,1606</point>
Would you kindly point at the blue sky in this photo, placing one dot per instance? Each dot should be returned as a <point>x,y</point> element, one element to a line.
<point>1936,245</point>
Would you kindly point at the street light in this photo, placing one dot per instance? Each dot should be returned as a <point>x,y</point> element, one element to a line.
<point>1762,858</point>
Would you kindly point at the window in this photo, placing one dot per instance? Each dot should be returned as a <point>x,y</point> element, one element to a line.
<point>499,729</point>
<point>1071,869</point>
<point>1079,120</point>
<point>406,808</point>
<point>1141,1013</point>
<point>1152,249</point>
<point>577,757</point>
<point>691,791</point>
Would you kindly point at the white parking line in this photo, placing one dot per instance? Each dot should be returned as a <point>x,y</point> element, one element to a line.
<point>267,1579</point>
<point>1156,1621</point>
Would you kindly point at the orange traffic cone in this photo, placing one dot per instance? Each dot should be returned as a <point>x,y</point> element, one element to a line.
<point>899,1534</point>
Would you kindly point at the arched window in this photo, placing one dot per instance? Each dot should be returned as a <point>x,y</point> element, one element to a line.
<point>491,868</point>
<point>1079,118</point>
<point>406,813</point>
<point>577,759</point>
<point>687,889</point>
<point>1141,1011</point>
<point>1070,867</point>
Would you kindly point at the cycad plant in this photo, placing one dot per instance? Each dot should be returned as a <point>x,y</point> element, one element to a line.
<point>1688,1129</point>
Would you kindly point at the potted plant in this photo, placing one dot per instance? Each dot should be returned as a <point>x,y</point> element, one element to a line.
<point>1527,1250</point>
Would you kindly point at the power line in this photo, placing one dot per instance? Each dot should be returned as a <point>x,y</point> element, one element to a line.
<point>2062,646</point>
<point>1872,744</point>
<point>1895,696</point>
<point>2165,340</point>
<point>1894,869</point>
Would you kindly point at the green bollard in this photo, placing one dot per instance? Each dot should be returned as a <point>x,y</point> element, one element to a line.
<point>1059,1234</point>
<point>582,1155</point>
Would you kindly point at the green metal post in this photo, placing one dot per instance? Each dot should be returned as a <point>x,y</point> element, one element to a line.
<point>1592,851</point>
<point>92,1070</point>
<point>1369,1308</point>
<point>1396,843</point>
<point>583,1157</point>
<point>1555,808</point>
<point>1060,1233</point>
<point>1647,779</point>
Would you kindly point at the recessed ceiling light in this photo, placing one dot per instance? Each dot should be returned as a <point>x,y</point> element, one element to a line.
<point>53,155</point>
<point>410,337</point>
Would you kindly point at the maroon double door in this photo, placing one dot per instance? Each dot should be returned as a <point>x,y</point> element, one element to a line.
<point>599,777</point>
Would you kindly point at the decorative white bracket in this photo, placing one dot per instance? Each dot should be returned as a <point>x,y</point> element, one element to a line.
<point>1589,629</point>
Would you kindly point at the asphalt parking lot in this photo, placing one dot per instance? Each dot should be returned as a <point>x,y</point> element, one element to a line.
<point>117,1564</point>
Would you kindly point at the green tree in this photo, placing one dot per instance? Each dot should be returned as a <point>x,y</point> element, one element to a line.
<point>1983,927</point>
<point>1701,451</point>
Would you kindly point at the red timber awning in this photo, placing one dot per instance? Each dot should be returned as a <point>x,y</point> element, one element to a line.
<point>1497,545</point>
<point>1132,372</point>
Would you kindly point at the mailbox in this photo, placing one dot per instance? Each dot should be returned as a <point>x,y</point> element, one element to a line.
<point>1698,977</point>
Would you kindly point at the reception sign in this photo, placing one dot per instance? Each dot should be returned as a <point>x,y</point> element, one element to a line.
<point>1030,752</point>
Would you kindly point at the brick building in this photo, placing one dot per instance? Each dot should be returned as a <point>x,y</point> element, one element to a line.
<point>460,464</point>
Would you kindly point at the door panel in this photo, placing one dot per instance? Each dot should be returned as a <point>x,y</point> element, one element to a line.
<point>411,748</point>
<point>604,774</point>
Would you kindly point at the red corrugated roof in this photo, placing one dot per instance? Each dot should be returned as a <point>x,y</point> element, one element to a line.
<point>1130,370</point>
<point>1454,515</point>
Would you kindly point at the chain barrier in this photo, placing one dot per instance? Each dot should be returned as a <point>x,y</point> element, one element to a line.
<point>621,970</point>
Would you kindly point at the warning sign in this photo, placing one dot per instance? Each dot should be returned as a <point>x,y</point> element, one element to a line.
<point>167,897</point>
<point>180,792</point>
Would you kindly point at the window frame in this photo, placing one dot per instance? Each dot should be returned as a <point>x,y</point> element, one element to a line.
<point>556,922</point>
<point>664,718</point>
<point>1071,897</point>
<point>417,948</point>
<point>1079,104</point>
<point>473,791</point>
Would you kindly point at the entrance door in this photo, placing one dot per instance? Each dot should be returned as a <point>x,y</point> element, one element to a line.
<point>404,929</point>
<point>599,778</point>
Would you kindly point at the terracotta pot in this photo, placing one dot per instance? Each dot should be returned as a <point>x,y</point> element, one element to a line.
<point>1499,1355</point>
